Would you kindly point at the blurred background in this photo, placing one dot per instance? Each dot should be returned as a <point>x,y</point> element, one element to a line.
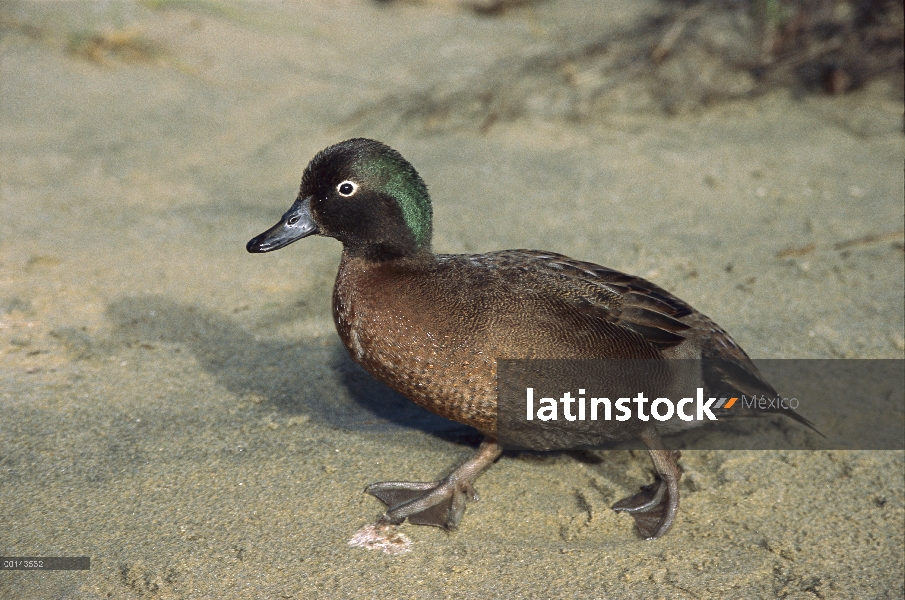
<point>183,412</point>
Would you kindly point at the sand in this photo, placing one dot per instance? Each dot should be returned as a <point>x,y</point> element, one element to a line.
<point>183,413</point>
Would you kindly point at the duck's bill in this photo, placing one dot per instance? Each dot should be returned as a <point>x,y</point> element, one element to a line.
<point>296,224</point>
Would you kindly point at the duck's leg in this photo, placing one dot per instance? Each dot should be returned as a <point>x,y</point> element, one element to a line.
<point>441,503</point>
<point>655,506</point>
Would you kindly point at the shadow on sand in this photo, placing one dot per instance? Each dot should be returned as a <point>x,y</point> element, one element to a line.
<point>304,377</point>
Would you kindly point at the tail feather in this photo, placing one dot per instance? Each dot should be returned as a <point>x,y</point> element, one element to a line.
<point>728,377</point>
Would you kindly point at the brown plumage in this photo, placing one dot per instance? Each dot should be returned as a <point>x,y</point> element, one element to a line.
<point>432,326</point>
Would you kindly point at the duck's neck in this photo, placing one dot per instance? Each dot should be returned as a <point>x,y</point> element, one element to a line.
<point>358,275</point>
<point>383,253</point>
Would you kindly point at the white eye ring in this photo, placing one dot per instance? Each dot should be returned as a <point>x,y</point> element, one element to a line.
<point>343,188</point>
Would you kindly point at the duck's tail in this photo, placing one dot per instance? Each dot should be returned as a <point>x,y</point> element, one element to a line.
<point>731,377</point>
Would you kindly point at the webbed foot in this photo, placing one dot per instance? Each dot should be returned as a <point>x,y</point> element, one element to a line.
<point>654,508</point>
<point>439,503</point>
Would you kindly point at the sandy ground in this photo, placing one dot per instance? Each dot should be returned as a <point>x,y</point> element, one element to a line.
<point>182,411</point>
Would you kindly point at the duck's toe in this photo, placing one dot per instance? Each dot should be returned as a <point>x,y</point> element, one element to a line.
<point>441,503</point>
<point>652,508</point>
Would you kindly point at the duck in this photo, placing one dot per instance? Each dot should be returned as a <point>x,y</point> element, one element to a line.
<point>434,326</point>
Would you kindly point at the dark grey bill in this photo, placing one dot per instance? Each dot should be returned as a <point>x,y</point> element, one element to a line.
<point>296,224</point>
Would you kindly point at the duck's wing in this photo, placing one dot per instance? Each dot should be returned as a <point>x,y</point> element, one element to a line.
<point>601,293</point>
<point>660,318</point>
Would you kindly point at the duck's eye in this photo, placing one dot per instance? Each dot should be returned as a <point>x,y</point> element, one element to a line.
<point>347,188</point>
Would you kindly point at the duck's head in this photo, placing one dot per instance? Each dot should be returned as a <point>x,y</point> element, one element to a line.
<point>364,194</point>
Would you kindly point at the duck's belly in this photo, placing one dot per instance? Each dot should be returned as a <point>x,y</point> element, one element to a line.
<point>445,372</point>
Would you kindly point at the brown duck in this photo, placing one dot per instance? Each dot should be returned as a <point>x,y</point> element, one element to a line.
<point>432,326</point>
